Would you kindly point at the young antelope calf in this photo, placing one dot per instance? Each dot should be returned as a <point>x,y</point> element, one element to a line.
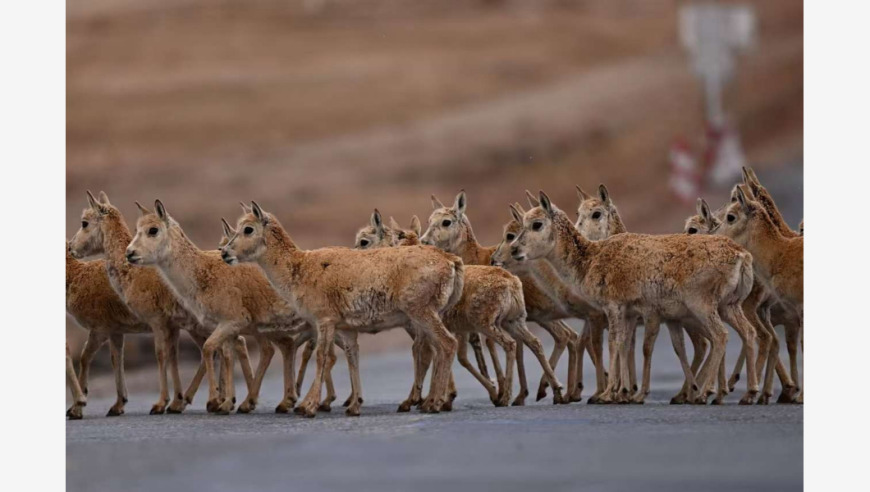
<point>450,230</point>
<point>369,291</point>
<point>491,299</point>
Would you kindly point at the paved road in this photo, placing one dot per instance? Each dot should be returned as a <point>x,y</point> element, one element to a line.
<point>538,447</point>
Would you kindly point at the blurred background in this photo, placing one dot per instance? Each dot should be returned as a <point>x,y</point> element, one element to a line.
<point>322,110</point>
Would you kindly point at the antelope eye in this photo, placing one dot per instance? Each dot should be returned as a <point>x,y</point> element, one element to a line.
<point>510,236</point>
<point>596,215</point>
<point>364,242</point>
<point>692,230</point>
<point>152,231</point>
<point>84,224</point>
<point>249,230</point>
<point>731,218</point>
<point>446,223</point>
<point>537,226</point>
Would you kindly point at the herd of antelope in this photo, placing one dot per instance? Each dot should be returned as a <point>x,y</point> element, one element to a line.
<point>741,264</point>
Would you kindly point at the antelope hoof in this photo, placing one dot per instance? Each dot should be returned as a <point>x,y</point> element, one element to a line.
<point>700,400</point>
<point>225,408</point>
<point>247,406</point>
<point>558,398</point>
<point>157,409</point>
<point>430,406</point>
<point>324,407</point>
<point>748,398</point>
<point>638,399</point>
<point>177,406</point>
<point>212,405</point>
<point>283,407</point>
<point>447,406</point>
<point>352,410</point>
<point>763,399</point>
<point>405,406</point>
<point>679,399</point>
<point>787,395</point>
<point>74,413</point>
<point>116,410</point>
<point>347,402</point>
<point>307,409</point>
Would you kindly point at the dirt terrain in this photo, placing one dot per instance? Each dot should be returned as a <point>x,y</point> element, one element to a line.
<point>323,110</point>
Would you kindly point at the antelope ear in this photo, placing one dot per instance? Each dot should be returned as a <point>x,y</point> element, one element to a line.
<point>533,202</point>
<point>415,225</point>
<point>393,224</point>
<point>436,203</point>
<point>104,198</point>
<point>142,210</point>
<point>516,214</point>
<point>546,204</point>
<point>749,176</point>
<point>519,208</point>
<point>161,211</point>
<point>459,203</point>
<point>751,180</point>
<point>94,203</point>
<point>377,222</point>
<point>582,195</point>
<point>741,198</point>
<point>704,211</point>
<point>258,212</point>
<point>802,228</point>
<point>604,195</point>
<point>245,208</point>
<point>228,230</point>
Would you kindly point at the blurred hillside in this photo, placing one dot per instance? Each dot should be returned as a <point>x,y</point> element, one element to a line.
<point>322,110</point>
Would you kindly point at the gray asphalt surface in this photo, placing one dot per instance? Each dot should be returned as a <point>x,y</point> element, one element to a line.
<point>655,446</point>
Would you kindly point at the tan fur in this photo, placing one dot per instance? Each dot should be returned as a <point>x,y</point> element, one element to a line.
<point>449,229</point>
<point>95,306</point>
<point>340,288</point>
<point>491,297</point>
<point>104,231</point>
<point>635,273</point>
<point>228,301</point>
